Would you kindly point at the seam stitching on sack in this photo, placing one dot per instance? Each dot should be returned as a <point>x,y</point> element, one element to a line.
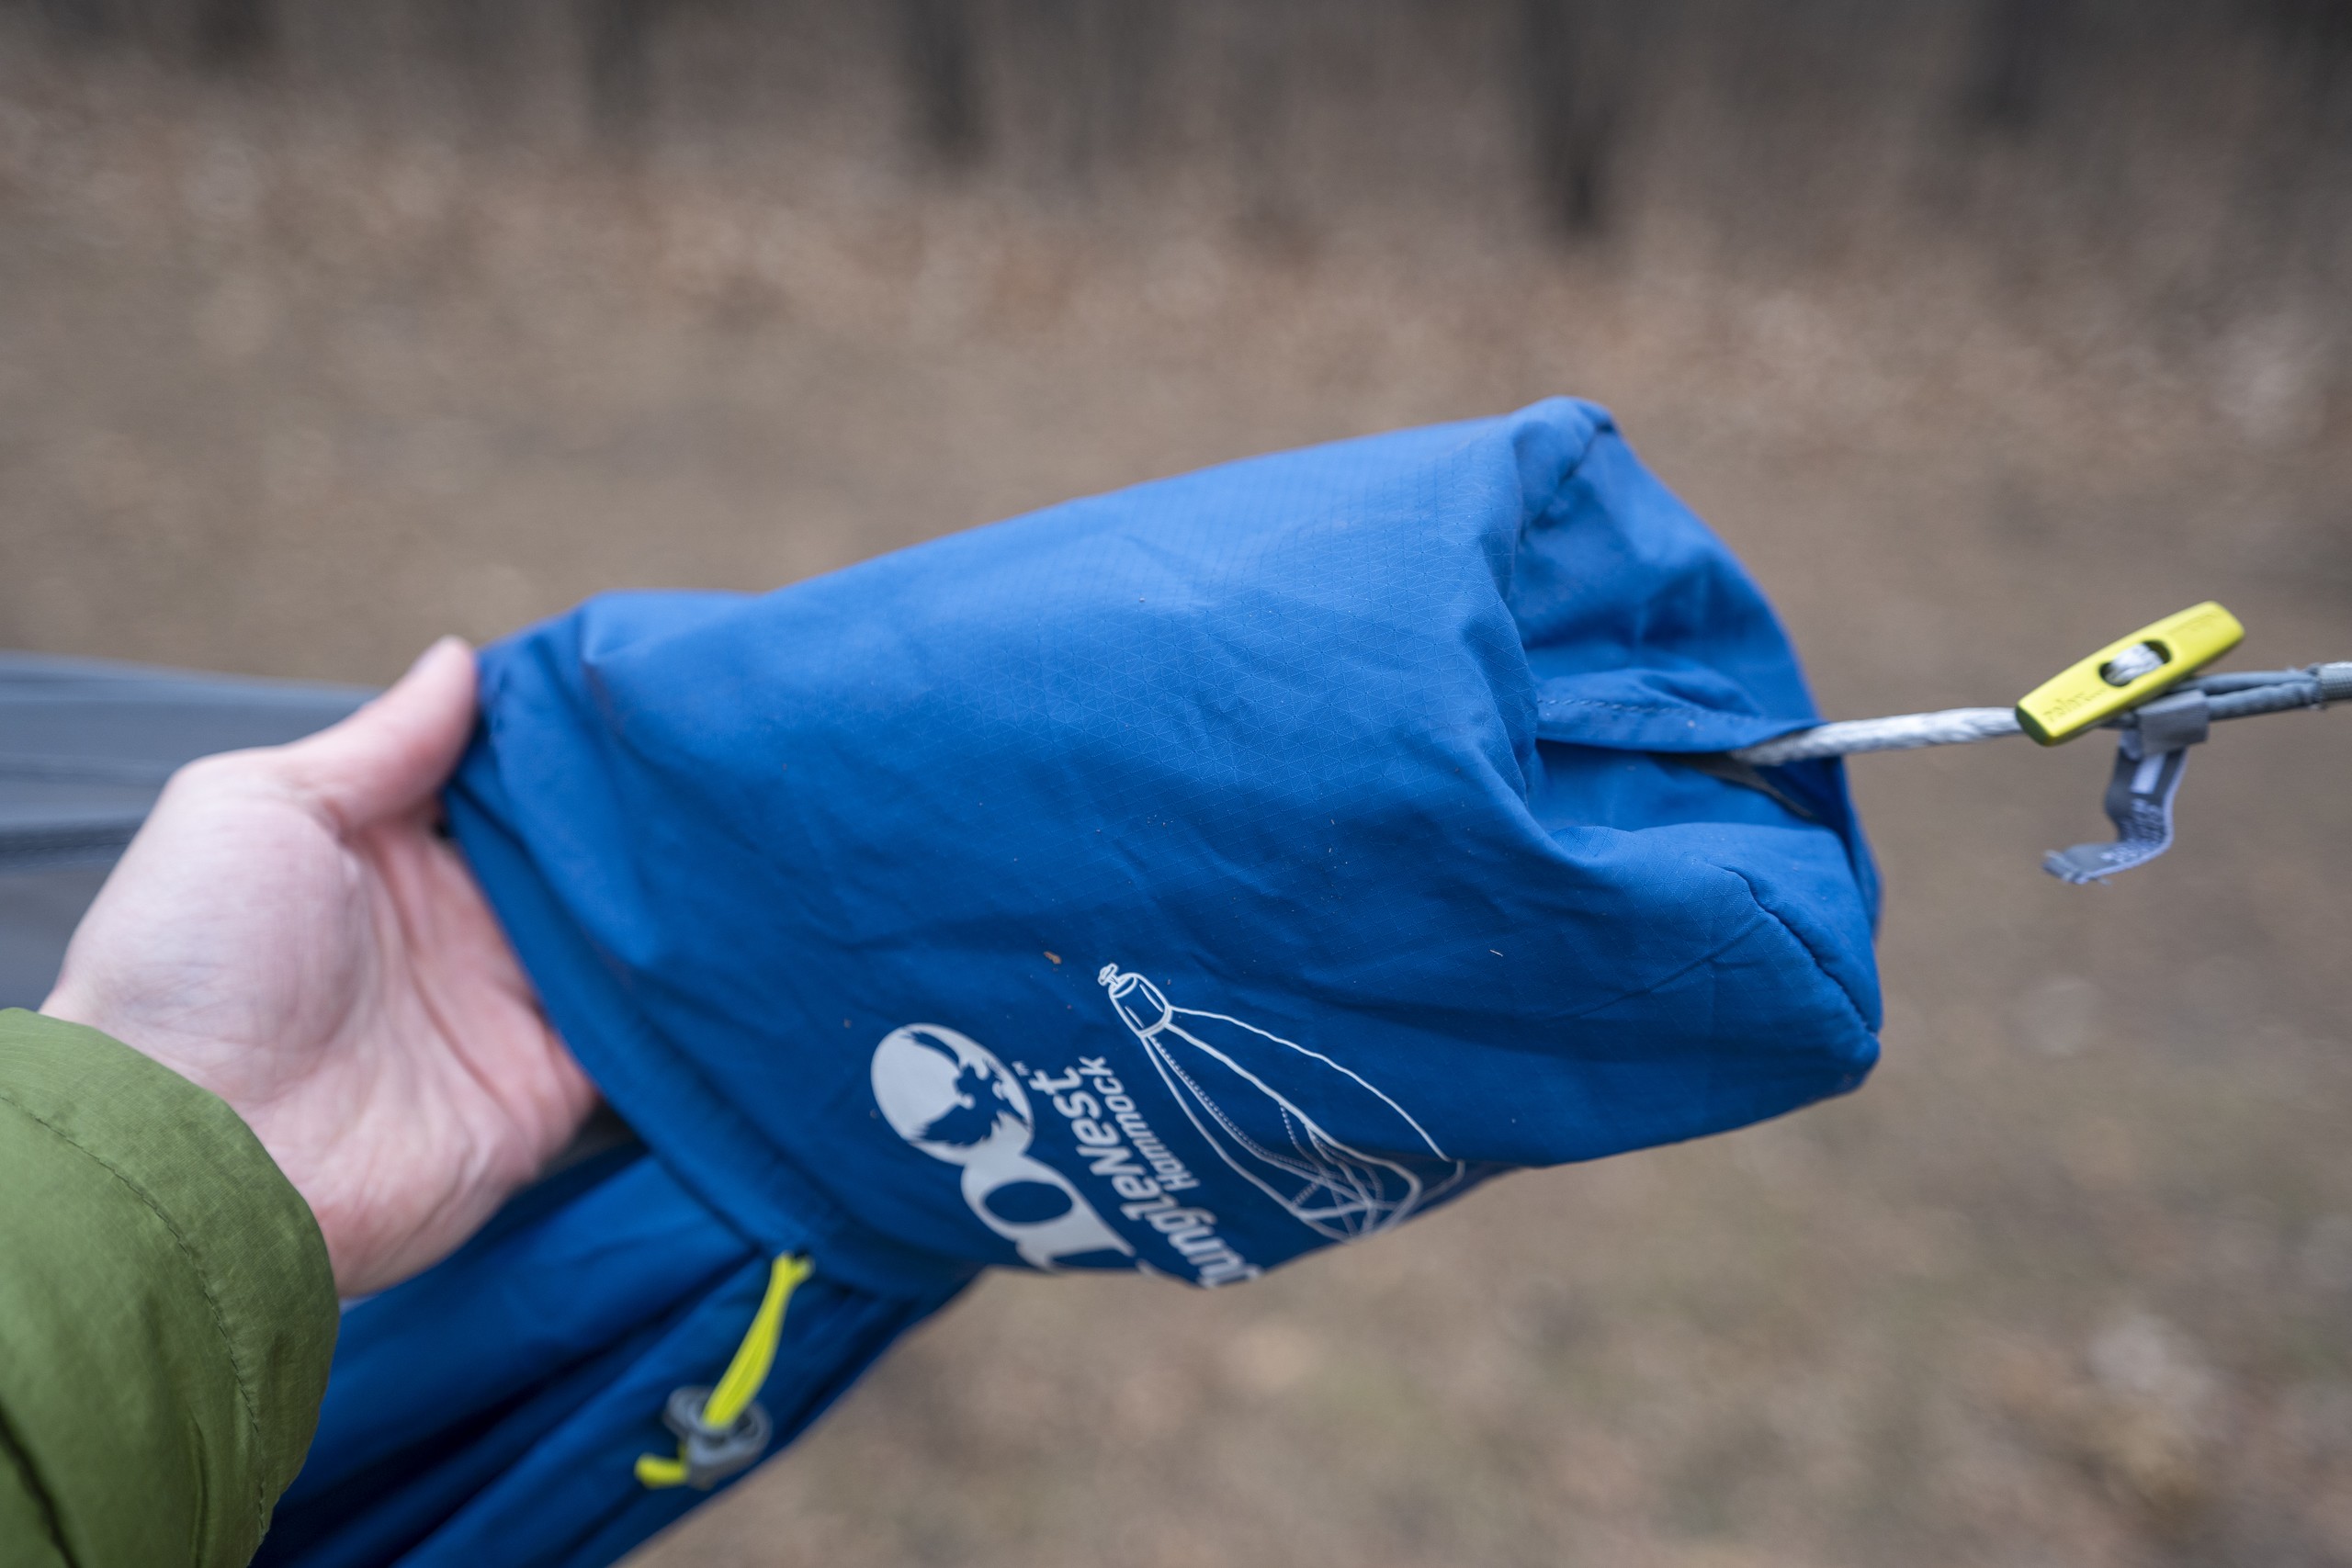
<point>1652,987</point>
<point>1805,947</point>
<point>1635,708</point>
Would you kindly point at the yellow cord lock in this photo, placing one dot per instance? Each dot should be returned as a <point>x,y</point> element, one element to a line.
<point>2127,672</point>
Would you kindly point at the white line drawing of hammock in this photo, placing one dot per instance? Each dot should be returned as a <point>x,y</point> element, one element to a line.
<point>1217,1066</point>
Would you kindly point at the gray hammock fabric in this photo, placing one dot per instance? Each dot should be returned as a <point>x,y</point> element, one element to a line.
<point>85,746</point>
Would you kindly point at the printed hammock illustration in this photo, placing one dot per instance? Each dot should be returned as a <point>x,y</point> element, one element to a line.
<point>1333,1190</point>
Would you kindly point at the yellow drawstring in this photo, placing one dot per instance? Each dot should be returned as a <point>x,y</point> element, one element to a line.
<point>743,1377</point>
<point>654,1472</point>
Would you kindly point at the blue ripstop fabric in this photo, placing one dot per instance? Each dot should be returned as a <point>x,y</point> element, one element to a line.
<point>492,1409</point>
<point>1179,880</point>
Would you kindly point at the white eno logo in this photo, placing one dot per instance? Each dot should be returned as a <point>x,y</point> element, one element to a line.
<point>949,1097</point>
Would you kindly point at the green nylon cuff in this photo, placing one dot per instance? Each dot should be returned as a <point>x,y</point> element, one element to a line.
<point>166,1308</point>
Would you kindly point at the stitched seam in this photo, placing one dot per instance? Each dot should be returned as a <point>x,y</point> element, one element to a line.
<point>1807,948</point>
<point>1630,707</point>
<point>1718,950</point>
<point>204,1284</point>
<point>1662,981</point>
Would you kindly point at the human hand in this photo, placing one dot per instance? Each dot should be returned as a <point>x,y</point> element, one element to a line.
<point>290,931</point>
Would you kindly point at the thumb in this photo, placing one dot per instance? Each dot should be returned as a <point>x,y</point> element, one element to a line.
<point>392,754</point>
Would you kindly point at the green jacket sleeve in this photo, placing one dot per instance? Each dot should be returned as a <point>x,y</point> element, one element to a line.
<point>167,1311</point>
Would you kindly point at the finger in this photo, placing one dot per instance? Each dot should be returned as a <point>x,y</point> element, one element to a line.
<point>393,754</point>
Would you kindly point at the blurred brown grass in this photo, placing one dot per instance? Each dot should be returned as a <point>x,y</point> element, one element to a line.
<point>302,366</point>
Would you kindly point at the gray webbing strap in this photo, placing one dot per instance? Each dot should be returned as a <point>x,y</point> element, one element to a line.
<point>2139,802</point>
<point>2149,761</point>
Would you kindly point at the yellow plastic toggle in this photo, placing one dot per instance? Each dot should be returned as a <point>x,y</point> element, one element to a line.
<point>2127,672</point>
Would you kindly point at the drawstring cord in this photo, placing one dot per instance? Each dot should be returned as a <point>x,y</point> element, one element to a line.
<point>725,1429</point>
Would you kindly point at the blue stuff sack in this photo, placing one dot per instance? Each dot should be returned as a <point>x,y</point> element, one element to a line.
<point>1177,880</point>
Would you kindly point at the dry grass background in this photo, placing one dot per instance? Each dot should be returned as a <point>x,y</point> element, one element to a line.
<point>300,367</point>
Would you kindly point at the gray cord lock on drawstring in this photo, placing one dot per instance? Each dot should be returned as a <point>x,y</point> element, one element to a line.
<point>711,1454</point>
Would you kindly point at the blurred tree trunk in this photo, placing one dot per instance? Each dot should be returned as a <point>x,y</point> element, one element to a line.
<point>1258,101</point>
<point>214,34</point>
<point>1131,36</point>
<point>1572,110</point>
<point>234,34</point>
<point>942,77</point>
<point>82,19</point>
<point>1085,66</point>
<point>620,66</point>
<point>2016,49</point>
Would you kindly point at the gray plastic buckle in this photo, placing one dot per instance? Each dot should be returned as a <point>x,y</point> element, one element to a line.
<point>712,1455</point>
